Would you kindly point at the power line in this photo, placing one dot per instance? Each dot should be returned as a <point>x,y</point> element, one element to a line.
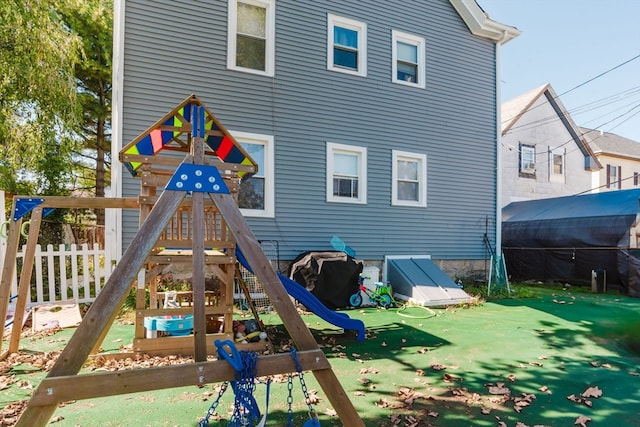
<point>600,75</point>
<point>582,84</point>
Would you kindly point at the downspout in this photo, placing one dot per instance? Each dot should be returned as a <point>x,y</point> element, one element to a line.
<point>117,81</point>
<point>498,149</point>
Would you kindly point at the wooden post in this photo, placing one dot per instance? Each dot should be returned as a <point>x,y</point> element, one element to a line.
<point>197,254</point>
<point>9,268</point>
<point>25,278</point>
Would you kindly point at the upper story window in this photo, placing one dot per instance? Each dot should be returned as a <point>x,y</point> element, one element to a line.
<point>256,195</point>
<point>557,157</point>
<point>409,186</point>
<point>408,64</point>
<point>346,173</point>
<point>346,45</point>
<point>613,176</point>
<point>251,36</point>
<point>527,161</point>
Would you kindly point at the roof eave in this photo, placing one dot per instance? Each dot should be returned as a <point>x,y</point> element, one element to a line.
<point>481,25</point>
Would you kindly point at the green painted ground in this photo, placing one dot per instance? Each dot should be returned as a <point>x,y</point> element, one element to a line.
<point>437,368</point>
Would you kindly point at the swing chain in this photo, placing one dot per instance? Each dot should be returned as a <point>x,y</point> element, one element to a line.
<point>245,411</point>
<point>214,405</point>
<point>303,384</point>
<point>290,401</point>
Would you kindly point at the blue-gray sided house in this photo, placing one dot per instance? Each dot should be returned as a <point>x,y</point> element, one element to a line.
<point>375,121</point>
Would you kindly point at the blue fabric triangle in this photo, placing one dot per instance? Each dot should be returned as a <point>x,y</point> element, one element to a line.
<point>24,206</point>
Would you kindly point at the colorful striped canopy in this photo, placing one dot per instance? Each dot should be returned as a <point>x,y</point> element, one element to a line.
<point>173,132</point>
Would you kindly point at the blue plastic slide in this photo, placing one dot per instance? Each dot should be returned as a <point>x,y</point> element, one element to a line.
<point>297,291</point>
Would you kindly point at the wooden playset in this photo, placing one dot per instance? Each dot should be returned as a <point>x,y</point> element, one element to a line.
<point>193,219</point>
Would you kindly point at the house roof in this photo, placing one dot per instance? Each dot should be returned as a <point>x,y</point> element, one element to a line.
<point>174,132</point>
<point>612,144</point>
<point>513,110</point>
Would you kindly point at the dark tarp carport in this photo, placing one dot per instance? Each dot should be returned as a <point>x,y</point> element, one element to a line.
<point>568,238</point>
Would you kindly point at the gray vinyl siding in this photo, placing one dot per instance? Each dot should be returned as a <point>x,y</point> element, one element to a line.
<point>175,48</point>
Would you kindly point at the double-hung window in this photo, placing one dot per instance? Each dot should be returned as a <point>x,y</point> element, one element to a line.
<point>256,195</point>
<point>527,161</point>
<point>556,174</point>
<point>346,173</point>
<point>346,45</point>
<point>408,59</point>
<point>251,36</point>
<point>613,176</point>
<point>409,184</point>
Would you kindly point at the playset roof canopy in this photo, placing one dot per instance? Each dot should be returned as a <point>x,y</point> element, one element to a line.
<point>174,132</point>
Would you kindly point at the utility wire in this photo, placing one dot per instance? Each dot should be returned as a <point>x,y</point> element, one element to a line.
<point>584,83</point>
<point>600,75</point>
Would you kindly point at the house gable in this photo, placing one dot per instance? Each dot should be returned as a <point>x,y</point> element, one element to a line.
<point>545,154</point>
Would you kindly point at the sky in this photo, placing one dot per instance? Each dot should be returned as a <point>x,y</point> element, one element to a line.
<point>588,50</point>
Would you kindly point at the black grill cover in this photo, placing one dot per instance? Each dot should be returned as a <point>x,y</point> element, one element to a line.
<point>332,277</point>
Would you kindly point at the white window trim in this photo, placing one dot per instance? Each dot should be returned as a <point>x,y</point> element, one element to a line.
<point>268,172</point>
<point>270,34</point>
<point>361,152</point>
<point>521,169</point>
<point>397,36</point>
<point>361,28</point>
<point>422,178</point>
<point>557,177</point>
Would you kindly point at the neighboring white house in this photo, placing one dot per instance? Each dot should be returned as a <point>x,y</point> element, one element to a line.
<point>620,159</point>
<point>543,152</point>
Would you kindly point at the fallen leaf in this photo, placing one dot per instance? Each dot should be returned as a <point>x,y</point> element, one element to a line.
<point>450,377</point>
<point>330,412</point>
<point>582,421</point>
<point>499,389</point>
<point>592,392</point>
<point>545,389</point>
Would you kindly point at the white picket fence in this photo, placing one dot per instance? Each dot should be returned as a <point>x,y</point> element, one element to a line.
<point>68,272</point>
